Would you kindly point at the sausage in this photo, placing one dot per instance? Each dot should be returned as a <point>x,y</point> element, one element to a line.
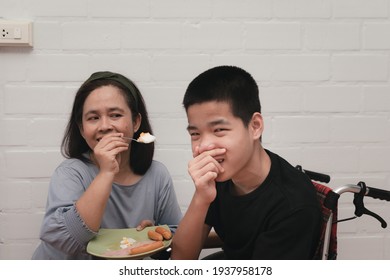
<point>166,233</point>
<point>146,248</point>
<point>155,235</point>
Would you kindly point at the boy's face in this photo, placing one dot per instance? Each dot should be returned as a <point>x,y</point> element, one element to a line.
<point>212,125</point>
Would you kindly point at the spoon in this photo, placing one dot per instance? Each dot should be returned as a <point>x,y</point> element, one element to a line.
<point>131,139</point>
<point>145,138</point>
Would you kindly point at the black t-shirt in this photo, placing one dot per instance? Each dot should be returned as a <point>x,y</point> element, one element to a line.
<point>278,220</point>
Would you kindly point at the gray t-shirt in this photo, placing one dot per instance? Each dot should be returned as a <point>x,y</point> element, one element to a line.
<point>64,234</point>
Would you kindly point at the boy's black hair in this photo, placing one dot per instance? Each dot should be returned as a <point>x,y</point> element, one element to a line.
<point>74,145</point>
<point>229,84</point>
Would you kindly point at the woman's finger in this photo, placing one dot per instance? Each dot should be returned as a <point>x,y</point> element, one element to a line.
<point>144,224</point>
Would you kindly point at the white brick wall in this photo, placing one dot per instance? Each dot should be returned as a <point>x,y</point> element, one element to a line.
<point>322,65</point>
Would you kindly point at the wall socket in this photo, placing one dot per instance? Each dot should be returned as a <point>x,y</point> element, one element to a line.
<point>16,33</point>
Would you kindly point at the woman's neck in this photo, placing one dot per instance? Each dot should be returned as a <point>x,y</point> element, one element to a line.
<point>126,177</point>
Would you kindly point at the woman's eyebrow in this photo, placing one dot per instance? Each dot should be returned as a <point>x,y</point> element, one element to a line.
<point>115,109</point>
<point>95,112</point>
<point>91,112</point>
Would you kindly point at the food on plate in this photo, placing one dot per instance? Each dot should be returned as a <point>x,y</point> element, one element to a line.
<point>146,137</point>
<point>155,235</point>
<point>146,247</point>
<point>117,253</point>
<point>166,233</point>
<point>126,242</point>
<point>129,250</point>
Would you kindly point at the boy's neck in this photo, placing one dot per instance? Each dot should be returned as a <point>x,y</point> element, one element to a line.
<point>254,175</point>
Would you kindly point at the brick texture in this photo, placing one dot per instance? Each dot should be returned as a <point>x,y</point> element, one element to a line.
<point>322,67</point>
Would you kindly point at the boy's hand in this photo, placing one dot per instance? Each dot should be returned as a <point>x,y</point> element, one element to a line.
<point>204,169</point>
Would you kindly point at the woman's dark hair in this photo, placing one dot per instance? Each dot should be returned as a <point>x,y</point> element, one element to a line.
<point>74,145</point>
<point>226,84</point>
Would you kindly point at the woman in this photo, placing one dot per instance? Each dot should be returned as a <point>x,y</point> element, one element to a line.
<point>106,181</point>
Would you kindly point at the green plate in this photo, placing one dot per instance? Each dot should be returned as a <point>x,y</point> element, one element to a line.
<point>109,240</point>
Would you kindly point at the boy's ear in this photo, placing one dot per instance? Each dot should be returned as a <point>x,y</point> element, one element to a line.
<point>257,125</point>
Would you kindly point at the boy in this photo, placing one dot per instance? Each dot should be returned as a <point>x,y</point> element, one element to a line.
<point>259,205</point>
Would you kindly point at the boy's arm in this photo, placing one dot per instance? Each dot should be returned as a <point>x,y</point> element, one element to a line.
<point>192,232</point>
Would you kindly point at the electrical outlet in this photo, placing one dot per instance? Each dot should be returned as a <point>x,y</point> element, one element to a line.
<point>5,33</point>
<point>15,33</point>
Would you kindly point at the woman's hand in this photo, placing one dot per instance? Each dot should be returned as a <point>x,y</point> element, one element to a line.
<point>107,152</point>
<point>144,224</point>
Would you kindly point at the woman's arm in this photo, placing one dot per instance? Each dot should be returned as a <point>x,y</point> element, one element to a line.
<point>92,203</point>
<point>62,226</point>
<point>107,156</point>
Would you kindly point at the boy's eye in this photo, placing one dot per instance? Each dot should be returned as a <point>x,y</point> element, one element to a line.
<point>193,134</point>
<point>220,130</point>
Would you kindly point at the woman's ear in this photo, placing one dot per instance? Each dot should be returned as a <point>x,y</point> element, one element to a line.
<point>257,125</point>
<point>137,122</point>
<point>81,130</point>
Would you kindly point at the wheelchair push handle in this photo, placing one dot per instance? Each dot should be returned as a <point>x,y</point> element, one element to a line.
<point>360,209</point>
<point>378,193</point>
<point>316,176</point>
<point>360,190</point>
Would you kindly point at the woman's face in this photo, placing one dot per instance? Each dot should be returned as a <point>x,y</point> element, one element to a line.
<point>105,111</point>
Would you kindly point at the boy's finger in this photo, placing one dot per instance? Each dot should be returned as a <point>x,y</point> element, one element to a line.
<point>213,152</point>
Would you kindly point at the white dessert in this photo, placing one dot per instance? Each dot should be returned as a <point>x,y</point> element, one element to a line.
<point>146,137</point>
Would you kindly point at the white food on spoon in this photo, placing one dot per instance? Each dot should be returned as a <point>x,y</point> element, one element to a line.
<point>146,137</point>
